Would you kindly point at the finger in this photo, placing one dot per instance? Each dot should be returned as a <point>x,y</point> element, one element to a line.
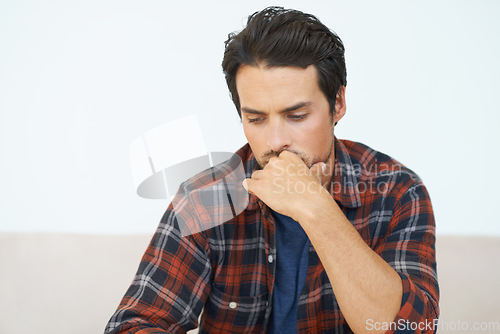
<point>272,161</point>
<point>290,155</point>
<point>318,169</point>
<point>257,174</point>
<point>247,184</point>
<point>293,157</point>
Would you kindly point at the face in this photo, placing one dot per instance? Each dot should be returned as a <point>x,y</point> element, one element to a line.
<point>283,108</point>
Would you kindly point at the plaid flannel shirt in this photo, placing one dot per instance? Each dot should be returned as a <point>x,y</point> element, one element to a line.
<point>228,270</point>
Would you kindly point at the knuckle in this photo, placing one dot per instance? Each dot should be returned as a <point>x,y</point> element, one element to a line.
<point>256,174</point>
<point>273,160</point>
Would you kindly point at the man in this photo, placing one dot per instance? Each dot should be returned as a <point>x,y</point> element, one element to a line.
<point>336,238</point>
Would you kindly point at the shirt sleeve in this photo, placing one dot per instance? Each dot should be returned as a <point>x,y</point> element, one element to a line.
<point>171,284</point>
<point>409,247</point>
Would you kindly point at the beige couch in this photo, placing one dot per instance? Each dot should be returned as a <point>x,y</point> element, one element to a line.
<point>58,283</point>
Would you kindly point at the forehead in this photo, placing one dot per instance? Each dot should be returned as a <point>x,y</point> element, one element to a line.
<point>276,85</point>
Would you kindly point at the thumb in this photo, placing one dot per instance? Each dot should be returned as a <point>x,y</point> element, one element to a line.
<point>245,184</point>
<point>318,169</point>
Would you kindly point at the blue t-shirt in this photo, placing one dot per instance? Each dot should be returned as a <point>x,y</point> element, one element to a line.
<point>292,260</point>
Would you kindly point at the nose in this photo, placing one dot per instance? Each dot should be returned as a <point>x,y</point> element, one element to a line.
<point>278,138</point>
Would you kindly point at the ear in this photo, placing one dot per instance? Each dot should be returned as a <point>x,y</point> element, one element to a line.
<point>340,106</point>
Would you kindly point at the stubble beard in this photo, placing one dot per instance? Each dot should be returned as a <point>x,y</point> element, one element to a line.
<point>265,157</point>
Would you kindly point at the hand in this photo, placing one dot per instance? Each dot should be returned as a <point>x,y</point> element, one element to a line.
<point>288,186</point>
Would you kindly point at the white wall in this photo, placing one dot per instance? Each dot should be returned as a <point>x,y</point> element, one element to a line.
<point>79,81</point>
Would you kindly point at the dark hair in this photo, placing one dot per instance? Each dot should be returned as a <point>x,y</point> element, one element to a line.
<point>277,37</point>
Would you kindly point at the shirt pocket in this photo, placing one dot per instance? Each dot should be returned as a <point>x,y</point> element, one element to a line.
<point>225,313</point>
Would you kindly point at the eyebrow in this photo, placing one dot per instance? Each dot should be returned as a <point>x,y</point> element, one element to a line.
<point>284,111</point>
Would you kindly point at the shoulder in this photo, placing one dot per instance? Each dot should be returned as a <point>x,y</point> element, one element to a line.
<point>379,178</point>
<point>225,165</point>
<point>215,195</point>
<point>390,191</point>
<point>370,163</point>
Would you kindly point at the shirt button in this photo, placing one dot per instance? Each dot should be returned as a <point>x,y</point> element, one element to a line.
<point>270,259</point>
<point>233,305</point>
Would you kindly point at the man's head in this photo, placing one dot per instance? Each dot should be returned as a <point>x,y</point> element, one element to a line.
<point>277,37</point>
<point>286,74</point>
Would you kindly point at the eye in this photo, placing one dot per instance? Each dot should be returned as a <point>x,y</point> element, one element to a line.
<point>255,120</point>
<point>298,117</point>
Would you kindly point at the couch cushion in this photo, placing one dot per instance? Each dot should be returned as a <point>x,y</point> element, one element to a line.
<point>62,283</point>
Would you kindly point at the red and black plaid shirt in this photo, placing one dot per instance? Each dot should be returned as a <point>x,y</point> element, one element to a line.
<point>228,270</point>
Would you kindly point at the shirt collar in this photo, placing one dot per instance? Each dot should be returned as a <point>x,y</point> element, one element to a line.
<point>251,165</point>
<point>344,184</point>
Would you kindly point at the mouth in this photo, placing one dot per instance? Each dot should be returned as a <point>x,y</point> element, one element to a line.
<point>268,155</point>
